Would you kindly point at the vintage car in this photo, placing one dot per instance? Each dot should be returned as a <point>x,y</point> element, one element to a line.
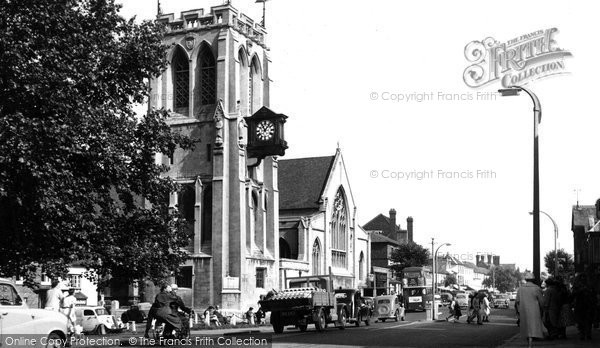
<point>388,307</point>
<point>42,327</point>
<point>97,319</point>
<point>502,301</point>
<point>355,306</point>
<point>463,300</point>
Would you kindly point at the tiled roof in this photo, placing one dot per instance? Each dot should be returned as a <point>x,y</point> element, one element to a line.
<point>301,181</point>
<point>380,238</point>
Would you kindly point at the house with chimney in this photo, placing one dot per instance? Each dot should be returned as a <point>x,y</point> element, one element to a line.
<point>585,224</point>
<point>386,236</point>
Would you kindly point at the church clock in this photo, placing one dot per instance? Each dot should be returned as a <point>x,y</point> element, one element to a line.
<point>265,133</point>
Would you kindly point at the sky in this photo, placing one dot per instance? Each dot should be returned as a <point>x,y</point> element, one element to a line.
<point>384,80</point>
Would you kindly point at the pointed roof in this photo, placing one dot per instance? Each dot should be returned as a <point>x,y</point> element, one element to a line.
<point>380,238</point>
<point>302,181</point>
<point>581,216</point>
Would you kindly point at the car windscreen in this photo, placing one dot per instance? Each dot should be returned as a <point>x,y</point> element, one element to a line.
<point>383,301</point>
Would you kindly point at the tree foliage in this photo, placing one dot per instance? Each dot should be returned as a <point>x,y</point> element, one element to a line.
<point>503,279</point>
<point>78,180</point>
<point>450,280</point>
<point>566,265</point>
<point>409,254</point>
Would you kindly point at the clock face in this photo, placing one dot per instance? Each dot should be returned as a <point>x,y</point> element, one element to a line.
<point>265,130</point>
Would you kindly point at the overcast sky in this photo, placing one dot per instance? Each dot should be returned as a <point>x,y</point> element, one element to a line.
<point>336,65</point>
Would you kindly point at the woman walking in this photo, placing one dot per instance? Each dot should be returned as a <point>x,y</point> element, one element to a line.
<point>530,300</point>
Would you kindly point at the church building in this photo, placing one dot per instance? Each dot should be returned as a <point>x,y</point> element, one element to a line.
<point>318,231</point>
<point>217,78</point>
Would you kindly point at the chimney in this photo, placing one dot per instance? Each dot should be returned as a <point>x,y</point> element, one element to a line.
<point>477,260</point>
<point>394,233</point>
<point>497,260</point>
<point>409,228</point>
<point>489,259</point>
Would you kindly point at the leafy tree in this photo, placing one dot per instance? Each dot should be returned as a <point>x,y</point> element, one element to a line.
<point>566,266</point>
<point>504,279</point>
<point>409,254</point>
<point>78,180</point>
<point>450,280</point>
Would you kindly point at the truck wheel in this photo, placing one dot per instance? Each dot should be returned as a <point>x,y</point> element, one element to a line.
<point>358,320</point>
<point>277,324</point>
<point>342,320</point>
<point>303,327</point>
<point>321,322</point>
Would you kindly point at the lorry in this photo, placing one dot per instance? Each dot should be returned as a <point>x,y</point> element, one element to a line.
<point>308,300</point>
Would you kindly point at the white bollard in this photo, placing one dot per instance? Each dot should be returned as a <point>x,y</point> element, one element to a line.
<point>127,326</point>
<point>133,328</point>
<point>195,318</point>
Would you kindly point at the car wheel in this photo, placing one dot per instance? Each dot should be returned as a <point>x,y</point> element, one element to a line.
<point>101,330</point>
<point>342,320</point>
<point>321,322</point>
<point>55,341</point>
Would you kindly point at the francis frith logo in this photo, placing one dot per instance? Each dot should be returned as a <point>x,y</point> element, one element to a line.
<point>515,62</point>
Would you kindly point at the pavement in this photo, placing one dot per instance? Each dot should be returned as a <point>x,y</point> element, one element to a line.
<point>572,340</point>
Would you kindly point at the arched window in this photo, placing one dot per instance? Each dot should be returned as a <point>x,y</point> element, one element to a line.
<point>256,221</point>
<point>254,84</point>
<point>361,266</point>
<point>244,79</point>
<point>207,76</point>
<point>181,81</point>
<point>285,252</point>
<point>206,235</point>
<point>339,226</point>
<point>316,257</point>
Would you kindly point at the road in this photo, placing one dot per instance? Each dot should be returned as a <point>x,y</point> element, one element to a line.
<point>416,331</point>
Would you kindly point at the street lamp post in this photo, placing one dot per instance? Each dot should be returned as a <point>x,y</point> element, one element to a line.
<point>537,118</point>
<point>555,238</point>
<point>433,304</point>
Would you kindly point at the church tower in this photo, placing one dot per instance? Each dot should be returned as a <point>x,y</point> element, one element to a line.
<point>218,74</point>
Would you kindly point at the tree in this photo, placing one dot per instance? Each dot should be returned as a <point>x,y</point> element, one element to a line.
<point>78,179</point>
<point>408,255</point>
<point>450,280</point>
<point>566,266</point>
<point>503,279</point>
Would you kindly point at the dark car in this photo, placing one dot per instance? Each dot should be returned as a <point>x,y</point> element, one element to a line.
<point>355,306</point>
<point>133,314</point>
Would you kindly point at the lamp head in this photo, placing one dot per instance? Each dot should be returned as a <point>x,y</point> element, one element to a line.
<point>506,92</point>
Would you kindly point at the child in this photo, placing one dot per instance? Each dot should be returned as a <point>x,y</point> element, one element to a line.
<point>457,311</point>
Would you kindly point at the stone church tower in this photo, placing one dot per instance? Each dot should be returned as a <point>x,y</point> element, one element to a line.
<point>219,74</point>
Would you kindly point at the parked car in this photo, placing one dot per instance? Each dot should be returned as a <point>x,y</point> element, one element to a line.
<point>502,301</point>
<point>17,319</point>
<point>463,300</point>
<point>388,307</point>
<point>97,320</point>
<point>512,296</point>
<point>370,303</point>
<point>356,309</point>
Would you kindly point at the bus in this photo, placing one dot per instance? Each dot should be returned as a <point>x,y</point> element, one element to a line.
<point>417,284</point>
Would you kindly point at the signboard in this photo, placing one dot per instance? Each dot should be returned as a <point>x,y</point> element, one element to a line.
<point>415,299</point>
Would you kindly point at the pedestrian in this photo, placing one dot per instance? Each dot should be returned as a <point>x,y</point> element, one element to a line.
<point>530,301</point>
<point>552,306</point>
<point>457,311</point>
<point>450,310</point>
<point>250,316</point>
<point>54,296</point>
<point>68,308</point>
<point>476,310</point>
<point>584,303</point>
<point>485,308</point>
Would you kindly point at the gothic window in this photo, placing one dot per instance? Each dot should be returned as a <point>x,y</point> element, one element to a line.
<point>254,85</point>
<point>285,252</point>
<point>316,258</point>
<point>208,76</point>
<point>250,89</point>
<point>181,80</point>
<point>361,266</point>
<point>206,232</point>
<point>339,227</point>
<point>186,199</point>
<point>243,82</point>
<point>256,221</point>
